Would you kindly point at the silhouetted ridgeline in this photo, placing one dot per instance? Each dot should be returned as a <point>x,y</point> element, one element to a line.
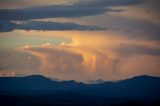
<point>37,90</point>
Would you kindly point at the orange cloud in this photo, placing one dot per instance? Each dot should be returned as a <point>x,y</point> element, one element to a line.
<point>139,65</point>
<point>91,57</point>
<point>70,62</point>
<point>7,74</point>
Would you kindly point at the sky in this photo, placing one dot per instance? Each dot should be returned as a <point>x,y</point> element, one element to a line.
<point>80,40</point>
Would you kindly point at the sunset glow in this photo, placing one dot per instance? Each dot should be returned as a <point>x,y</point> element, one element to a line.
<point>111,42</point>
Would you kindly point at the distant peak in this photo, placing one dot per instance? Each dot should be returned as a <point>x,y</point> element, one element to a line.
<point>35,76</point>
<point>98,81</point>
<point>69,81</point>
<point>145,76</point>
<point>142,78</point>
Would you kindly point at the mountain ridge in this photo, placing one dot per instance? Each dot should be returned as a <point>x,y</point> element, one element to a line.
<point>39,82</point>
<point>39,89</point>
<point>89,82</point>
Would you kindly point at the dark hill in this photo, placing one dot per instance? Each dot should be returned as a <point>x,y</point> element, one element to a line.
<point>37,89</point>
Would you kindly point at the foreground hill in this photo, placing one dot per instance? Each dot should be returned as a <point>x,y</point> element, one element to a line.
<point>39,90</point>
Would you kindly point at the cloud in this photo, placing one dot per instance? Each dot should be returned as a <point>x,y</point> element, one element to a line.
<point>134,28</point>
<point>7,74</point>
<point>69,62</point>
<point>27,3</point>
<point>108,3</point>
<point>75,9</point>
<point>143,12</point>
<point>140,65</point>
<point>81,60</point>
<point>18,62</point>
<point>49,12</point>
<point>78,9</point>
<point>134,59</point>
<point>128,50</point>
<point>57,61</point>
<point>87,55</point>
<point>7,26</point>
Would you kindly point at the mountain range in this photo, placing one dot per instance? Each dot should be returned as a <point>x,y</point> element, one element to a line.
<point>39,90</point>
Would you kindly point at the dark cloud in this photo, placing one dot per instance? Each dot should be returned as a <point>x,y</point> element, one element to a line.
<point>7,26</point>
<point>78,9</point>
<point>49,12</point>
<point>108,3</point>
